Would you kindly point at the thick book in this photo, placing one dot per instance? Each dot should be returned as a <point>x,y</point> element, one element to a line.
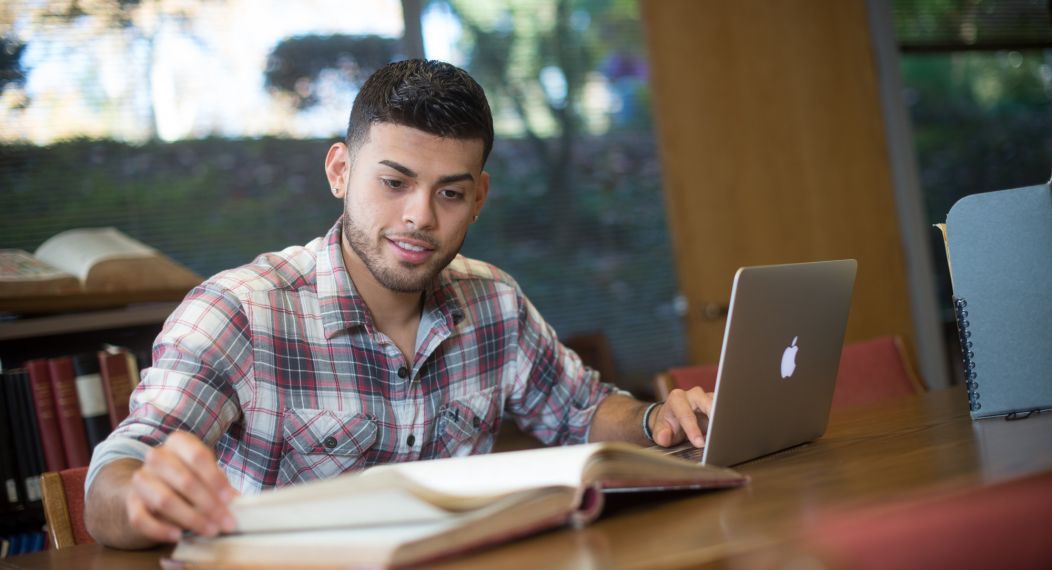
<point>412,513</point>
<point>18,410</point>
<point>89,268</point>
<point>67,409</point>
<point>47,416</point>
<point>92,398</point>
<point>999,250</point>
<point>116,383</point>
<point>9,494</point>
<point>35,450</point>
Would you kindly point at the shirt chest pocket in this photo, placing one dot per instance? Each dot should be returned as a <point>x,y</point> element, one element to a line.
<point>469,425</point>
<point>320,444</point>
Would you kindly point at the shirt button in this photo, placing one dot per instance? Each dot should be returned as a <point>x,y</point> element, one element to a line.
<point>410,440</point>
<point>475,421</point>
<point>330,442</point>
<point>403,372</point>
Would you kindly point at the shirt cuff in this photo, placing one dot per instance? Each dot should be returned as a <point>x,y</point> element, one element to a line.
<point>111,450</point>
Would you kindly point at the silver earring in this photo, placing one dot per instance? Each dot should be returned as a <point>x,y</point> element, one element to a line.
<point>476,218</point>
<point>335,190</point>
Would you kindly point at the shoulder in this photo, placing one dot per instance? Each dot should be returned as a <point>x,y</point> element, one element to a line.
<point>289,269</point>
<point>472,274</point>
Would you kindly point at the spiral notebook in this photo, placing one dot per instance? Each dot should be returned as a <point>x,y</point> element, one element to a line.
<point>999,249</point>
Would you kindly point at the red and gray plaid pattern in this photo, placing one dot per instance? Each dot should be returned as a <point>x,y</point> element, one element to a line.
<point>278,365</point>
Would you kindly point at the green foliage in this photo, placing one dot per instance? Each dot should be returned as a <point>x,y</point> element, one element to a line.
<point>11,70</point>
<point>217,203</point>
<point>294,65</point>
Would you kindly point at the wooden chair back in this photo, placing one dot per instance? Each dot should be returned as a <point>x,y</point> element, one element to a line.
<point>63,498</point>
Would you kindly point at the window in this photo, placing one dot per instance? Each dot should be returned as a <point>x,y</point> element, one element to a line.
<point>199,127</point>
<point>978,80</point>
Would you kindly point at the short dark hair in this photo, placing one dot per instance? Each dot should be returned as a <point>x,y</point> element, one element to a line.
<point>432,96</point>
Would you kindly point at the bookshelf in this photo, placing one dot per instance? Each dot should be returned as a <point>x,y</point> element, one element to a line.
<point>134,326</point>
<point>27,337</point>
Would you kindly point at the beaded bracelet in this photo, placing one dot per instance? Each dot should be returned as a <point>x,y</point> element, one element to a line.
<point>646,422</point>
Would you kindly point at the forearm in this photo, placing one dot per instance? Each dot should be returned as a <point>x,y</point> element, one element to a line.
<point>105,511</point>
<point>619,418</point>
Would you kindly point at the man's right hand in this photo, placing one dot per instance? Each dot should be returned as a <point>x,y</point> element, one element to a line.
<point>179,487</point>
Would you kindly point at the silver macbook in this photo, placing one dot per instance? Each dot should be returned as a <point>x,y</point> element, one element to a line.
<point>778,366</point>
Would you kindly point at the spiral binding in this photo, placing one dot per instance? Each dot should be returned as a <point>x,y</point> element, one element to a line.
<point>967,356</point>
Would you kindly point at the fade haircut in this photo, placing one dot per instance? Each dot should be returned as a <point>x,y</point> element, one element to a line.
<point>431,96</point>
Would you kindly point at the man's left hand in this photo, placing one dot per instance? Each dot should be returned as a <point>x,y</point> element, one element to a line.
<point>682,417</point>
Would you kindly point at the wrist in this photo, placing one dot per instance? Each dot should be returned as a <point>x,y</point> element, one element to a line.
<point>649,418</point>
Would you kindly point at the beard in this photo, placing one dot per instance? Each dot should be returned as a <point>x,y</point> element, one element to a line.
<point>398,276</point>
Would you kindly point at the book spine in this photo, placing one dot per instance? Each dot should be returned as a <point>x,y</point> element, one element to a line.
<point>967,354</point>
<point>92,398</point>
<point>37,465</point>
<point>28,480</point>
<point>116,384</point>
<point>8,452</point>
<point>67,406</point>
<point>47,419</point>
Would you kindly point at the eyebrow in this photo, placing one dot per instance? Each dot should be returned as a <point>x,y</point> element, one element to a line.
<point>447,179</point>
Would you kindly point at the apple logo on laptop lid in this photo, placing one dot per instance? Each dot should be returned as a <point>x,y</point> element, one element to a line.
<point>789,359</point>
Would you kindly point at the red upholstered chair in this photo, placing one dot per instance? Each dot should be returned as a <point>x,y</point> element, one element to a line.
<point>685,377</point>
<point>1005,525</point>
<point>870,371</point>
<point>63,496</point>
<point>874,370</point>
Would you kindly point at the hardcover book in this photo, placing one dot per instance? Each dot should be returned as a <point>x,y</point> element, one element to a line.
<point>89,268</point>
<point>412,513</point>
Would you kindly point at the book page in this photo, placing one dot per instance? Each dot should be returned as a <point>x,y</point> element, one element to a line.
<point>946,243</point>
<point>498,473</point>
<point>18,265</point>
<point>348,500</point>
<point>77,251</point>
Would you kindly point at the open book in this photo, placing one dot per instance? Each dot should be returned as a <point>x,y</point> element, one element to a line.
<point>91,266</point>
<point>408,513</point>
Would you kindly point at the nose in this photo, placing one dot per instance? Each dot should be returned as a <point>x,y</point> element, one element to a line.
<point>419,210</point>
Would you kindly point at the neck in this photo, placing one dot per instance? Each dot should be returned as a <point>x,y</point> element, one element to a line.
<point>391,310</point>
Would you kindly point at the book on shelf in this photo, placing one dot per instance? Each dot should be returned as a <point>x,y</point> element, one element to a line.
<point>67,409</point>
<point>117,383</point>
<point>997,249</point>
<point>89,268</point>
<point>412,513</point>
<point>9,495</point>
<point>27,456</point>
<point>47,416</point>
<point>92,398</point>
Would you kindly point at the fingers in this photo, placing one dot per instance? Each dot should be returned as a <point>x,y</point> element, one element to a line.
<point>195,454</point>
<point>180,487</point>
<point>678,417</point>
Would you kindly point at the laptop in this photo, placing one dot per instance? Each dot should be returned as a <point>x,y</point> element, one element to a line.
<point>779,361</point>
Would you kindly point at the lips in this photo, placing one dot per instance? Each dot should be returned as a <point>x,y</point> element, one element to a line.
<point>410,250</point>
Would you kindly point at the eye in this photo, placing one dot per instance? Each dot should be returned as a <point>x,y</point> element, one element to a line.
<point>392,183</point>
<point>451,194</point>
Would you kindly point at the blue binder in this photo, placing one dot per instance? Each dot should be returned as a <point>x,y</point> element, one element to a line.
<point>999,247</point>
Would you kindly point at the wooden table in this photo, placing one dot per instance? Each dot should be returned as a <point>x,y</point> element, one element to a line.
<point>916,445</point>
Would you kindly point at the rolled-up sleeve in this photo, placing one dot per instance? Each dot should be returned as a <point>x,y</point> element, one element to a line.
<point>200,357</point>
<point>555,396</point>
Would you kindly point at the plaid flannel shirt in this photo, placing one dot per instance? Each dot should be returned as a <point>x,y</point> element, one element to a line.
<point>279,367</point>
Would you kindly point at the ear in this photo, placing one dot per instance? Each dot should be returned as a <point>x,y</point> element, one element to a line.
<point>338,168</point>
<point>483,192</point>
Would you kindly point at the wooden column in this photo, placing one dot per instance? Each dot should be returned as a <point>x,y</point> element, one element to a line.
<point>773,151</point>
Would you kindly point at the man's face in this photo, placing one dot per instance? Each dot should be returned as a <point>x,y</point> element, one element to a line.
<point>409,197</point>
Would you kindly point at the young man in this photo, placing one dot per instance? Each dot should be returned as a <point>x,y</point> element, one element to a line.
<point>376,343</point>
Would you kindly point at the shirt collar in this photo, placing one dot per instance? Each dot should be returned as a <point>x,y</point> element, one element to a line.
<point>343,308</point>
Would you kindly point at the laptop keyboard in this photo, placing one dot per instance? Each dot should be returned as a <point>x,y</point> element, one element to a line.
<point>683,451</point>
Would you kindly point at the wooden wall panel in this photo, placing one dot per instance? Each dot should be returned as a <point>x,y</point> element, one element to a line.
<point>773,151</point>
